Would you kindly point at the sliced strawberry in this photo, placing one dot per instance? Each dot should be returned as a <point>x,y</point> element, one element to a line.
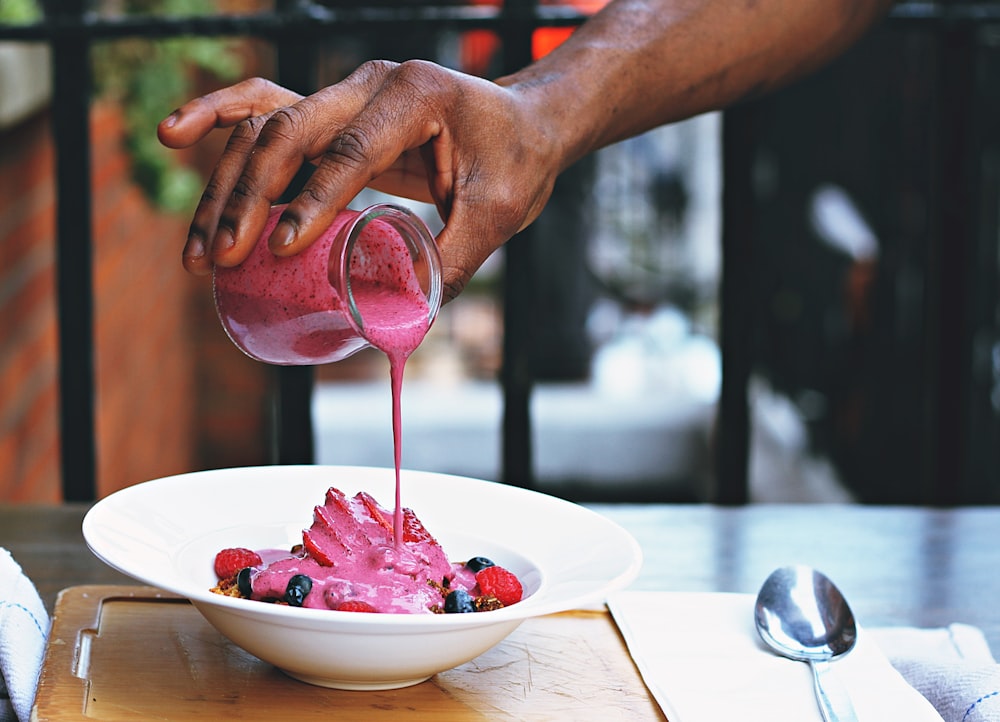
<point>315,550</point>
<point>355,605</point>
<point>229,562</point>
<point>500,583</point>
<point>345,528</point>
<point>335,507</point>
<point>414,529</point>
<point>375,511</point>
<point>333,523</point>
<point>322,540</point>
<point>335,533</point>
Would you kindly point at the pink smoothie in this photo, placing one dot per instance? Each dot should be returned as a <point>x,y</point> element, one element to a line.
<point>286,311</point>
<point>351,560</point>
<point>289,310</point>
<point>350,556</point>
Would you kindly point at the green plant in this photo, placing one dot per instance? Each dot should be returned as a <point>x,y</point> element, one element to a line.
<point>19,12</point>
<point>149,78</point>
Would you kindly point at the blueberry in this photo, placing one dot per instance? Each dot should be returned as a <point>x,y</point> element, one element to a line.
<point>459,601</point>
<point>243,582</point>
<point>477,564</point>
<point>298,588</point>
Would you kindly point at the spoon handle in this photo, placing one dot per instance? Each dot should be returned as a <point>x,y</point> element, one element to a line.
<point>834,701</point>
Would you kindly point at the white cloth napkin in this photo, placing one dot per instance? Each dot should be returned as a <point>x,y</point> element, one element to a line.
<point>951,666</point>
<point>703,661</point>
<point>24,629</point>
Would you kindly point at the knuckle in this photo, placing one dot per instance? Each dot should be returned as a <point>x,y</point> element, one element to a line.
<point>248,127</point>
<point>309,194</point>
<point>244,135</point>
<point>282,126</point>
<point>259,85</point>
<point>420,70</point>
<point>422,79</point>
<point>244,189</point>
<point>213,193</point>
<point>350,147</point>
<point>373,71</point>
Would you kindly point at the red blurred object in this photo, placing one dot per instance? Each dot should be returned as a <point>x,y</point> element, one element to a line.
<point>480,46</point>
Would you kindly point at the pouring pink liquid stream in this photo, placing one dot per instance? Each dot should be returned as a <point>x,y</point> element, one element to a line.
<point>287,311</point>
<point>396,323</point>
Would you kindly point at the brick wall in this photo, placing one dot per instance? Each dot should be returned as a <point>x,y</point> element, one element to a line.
<point>29,436</point>
<point>172,394</point>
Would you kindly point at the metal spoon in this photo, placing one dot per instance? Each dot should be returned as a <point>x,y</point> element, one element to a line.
<point>802,615</point>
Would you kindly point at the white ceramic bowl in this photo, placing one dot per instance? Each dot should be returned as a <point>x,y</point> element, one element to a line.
<point>166,533</point>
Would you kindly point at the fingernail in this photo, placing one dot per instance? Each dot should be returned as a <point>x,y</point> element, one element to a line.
<point>223,240</point>
<point>282,236</point>
<point>171,120</point>
<point>195,247</point>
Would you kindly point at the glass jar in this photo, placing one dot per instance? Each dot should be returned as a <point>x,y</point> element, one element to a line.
<point>373,279</point>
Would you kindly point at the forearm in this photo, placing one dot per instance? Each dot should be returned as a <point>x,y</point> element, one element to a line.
<point>642,63</point>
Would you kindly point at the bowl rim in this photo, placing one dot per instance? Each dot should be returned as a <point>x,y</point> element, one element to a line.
<point>556,593</point>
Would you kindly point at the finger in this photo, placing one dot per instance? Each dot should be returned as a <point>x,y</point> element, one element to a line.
<point>271,156</point>
<point>204,242</point>
<point>468,238</point>
<point>394,121</point>
<point>406,178</point>
<point>222,109</point>
<point>192,122</point>
<point>478,222</point>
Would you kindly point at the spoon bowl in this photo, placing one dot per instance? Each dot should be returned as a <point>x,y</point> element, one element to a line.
<point>802,615</point>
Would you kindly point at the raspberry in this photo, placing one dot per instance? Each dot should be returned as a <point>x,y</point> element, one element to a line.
<point>355,605</point>
<point>229,562</point>
<point>500,583</point>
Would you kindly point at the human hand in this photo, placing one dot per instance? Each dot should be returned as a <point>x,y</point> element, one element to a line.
<point>416,130</point>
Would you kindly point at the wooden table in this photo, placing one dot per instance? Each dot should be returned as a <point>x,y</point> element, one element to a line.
<point>897,565</point>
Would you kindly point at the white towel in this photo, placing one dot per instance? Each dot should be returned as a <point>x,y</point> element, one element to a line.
<point>952,667</point>
<point>703,661</point>
<point>24,629</point>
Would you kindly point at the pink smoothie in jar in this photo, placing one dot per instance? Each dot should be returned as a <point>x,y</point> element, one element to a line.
<point>373,279</point>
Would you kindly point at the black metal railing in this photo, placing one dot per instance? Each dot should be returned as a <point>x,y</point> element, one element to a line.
<point>295,28</point>
<point>915,109</point>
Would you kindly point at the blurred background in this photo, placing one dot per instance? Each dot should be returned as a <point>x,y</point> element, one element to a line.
<point>795,300</point>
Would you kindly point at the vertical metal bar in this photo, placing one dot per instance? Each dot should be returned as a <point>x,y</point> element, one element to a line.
<point>516,375</point>
<point>517,466</point>
<point>949,267</point>
<point>983,417</point>
<point>736,301</point>
<point>292,430</point>
<point>71,84</point>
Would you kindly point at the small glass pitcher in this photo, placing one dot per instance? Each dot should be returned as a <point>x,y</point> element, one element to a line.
<point>372,279</point>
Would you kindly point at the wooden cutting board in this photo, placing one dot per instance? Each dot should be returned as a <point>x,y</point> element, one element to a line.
<point>131,653</point>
